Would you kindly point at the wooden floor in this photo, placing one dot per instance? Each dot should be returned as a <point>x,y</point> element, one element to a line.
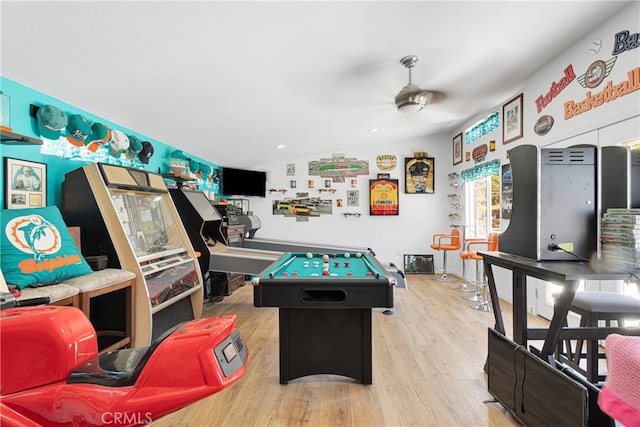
<point>428,362</point>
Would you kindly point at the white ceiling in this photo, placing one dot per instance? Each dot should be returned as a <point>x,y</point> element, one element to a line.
<point>228,81</point>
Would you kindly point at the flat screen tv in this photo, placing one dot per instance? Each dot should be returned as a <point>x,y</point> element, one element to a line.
<point>242,182</point>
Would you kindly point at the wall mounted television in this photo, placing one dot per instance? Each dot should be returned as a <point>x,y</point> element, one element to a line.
<point>243,182</point>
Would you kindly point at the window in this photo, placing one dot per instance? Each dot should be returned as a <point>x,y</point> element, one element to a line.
<point>482,201</point>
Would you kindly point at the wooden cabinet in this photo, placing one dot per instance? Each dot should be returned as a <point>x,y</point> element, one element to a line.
<point>234,234</point>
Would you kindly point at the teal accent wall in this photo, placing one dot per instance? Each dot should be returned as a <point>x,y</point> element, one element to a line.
<point>21,97</point>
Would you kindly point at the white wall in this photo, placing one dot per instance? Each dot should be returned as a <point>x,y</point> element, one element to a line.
<point>613,122</point>
<point>421,216</point>
<point>410,232</point>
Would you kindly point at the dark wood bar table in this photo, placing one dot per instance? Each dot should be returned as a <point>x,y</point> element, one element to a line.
<point>564,273</point>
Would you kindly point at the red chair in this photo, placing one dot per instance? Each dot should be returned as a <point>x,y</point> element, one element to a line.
<point>489,245</point>
<point>446,242</point>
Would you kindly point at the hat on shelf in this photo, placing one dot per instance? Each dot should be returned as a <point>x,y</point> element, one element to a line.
<point>100,135</point>
<point>119,142</point>
<point>78,128</point>
<point>205,169</point>
<point>135,146</point>
<point>178,154</point>
<point>51,121</point>
<point>146,152</point>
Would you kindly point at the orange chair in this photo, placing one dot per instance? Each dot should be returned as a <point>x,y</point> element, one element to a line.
<point>490,245</point>
<point>446,242</point>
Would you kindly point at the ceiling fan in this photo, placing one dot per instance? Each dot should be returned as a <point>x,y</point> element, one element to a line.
<point>412,98</point>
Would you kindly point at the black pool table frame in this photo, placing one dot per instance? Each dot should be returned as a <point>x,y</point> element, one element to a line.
<point>325,323</point>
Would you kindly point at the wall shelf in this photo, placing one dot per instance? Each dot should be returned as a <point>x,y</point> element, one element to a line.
<point>11,138</point>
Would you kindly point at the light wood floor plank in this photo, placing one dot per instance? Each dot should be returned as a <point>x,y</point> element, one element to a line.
<point>428,361</point>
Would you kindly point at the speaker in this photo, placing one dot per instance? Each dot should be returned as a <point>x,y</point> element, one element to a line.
<point>554,203</point>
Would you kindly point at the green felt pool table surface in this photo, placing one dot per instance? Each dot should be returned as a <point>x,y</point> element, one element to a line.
<point>341,265</point>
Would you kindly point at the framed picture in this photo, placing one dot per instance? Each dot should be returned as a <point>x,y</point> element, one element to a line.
<point>419,175</point>
<point>457,149</point>
<point>383,196</point>
<point>418,264</point>
<point>25,184</point>
<point>512,120</point>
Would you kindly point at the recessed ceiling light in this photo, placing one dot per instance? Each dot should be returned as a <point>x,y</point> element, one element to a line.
<point>372,130</point>
<point>280,146</point>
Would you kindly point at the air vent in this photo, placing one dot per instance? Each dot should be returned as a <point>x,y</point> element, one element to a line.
<point>573,155</point>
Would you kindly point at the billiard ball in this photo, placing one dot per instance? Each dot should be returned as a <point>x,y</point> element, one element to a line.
<point>336,263</point>
<point>347,263</point>
<point>325,257</point>
<point>309,255</point>
<point>350,273</point>
<point>369,273</point>
<point>284,273</point>
<point>295,273</point>
<point>358,255</point>
<point>325,272</point>
<point>347,255</point>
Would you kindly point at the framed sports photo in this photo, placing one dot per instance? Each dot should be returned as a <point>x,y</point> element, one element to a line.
<point>419,175</point>
<point>25,184</point>
<point>457,149</point>
<point>512,120</point>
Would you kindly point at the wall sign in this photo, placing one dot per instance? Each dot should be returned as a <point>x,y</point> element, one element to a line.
<point>383,197</point>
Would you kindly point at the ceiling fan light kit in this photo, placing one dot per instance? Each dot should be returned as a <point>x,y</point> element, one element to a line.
<point>412,98</point>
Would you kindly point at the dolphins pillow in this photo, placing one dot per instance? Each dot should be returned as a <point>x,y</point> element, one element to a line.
<point>37,248</point>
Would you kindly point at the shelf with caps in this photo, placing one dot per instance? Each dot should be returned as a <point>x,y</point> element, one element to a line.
<point>11,138</point>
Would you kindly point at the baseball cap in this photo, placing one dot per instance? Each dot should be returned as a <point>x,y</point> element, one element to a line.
<point>78,128</point>
<point>135,146</point>
<point>100,134</point>
<point>146,152</point>
<point>119,142</point>
<point>51,120</point>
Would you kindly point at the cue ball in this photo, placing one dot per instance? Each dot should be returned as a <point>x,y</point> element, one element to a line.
<point>358,254</point>
<point>325,257</point>
<point>309,255</point>
<point>347,255</point>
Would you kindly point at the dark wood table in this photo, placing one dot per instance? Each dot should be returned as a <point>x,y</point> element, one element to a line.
<point>564,273</point>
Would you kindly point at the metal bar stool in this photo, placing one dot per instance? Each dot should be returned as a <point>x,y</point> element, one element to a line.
<point>446,243</point>
<point>480,296</point>
<point>464,286</point>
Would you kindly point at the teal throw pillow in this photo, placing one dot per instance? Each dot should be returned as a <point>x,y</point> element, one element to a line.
<point>37,248</point>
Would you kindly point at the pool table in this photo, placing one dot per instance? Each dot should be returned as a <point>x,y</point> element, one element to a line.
<point>325,303</point>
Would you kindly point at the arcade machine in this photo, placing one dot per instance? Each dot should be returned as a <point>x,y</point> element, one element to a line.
<point>203,224</point>
<point>554,204</point>
<point>128,215</point>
